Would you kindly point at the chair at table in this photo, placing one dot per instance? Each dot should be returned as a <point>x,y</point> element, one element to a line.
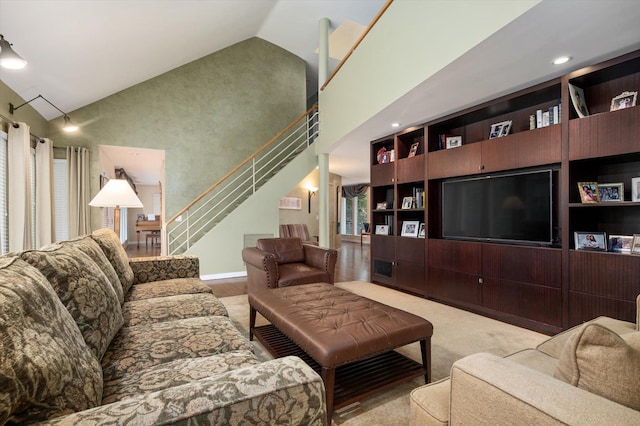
<point>366,230</point>
<point>282,262</point>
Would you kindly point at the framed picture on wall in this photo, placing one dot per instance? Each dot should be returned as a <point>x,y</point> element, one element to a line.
<point>290,203</point>
<point>103,181</point>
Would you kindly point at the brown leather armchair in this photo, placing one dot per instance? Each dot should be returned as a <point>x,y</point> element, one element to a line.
<point>281,262</point>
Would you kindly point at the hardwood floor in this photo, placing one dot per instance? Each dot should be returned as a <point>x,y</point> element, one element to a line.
<point>352,265</point>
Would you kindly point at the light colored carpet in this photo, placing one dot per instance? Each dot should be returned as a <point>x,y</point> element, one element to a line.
<point>456,334</point>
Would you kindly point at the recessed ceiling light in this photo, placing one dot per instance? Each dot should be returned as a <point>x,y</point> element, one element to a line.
<point>561,60</point>
<point>395,124</point>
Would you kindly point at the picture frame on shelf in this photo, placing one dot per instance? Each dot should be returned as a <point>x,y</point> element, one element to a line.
<point>620,243</point>
<point>635,189</point>
<point>410,228</point>
<point>589,192</point>
<point>578,100</point>
<point>499,130</point>
<point>382,229</point>
<point>381,206</point>
<point>590,241</point>
<point>623,100</point>
<point>407,203</point>
<point>414,149</point>
<point>142,217</point>
<point>635,244</point>
<point>611,192</point>
<point>421,230</point>
<point>453,141</point>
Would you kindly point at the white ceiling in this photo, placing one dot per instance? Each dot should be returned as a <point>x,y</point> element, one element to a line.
<point>82,51</point>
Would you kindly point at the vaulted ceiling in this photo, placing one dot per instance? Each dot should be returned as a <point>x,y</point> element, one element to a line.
<point>82,51</point>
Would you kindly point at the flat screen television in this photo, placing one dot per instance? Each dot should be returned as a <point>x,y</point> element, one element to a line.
<point>512,207</point>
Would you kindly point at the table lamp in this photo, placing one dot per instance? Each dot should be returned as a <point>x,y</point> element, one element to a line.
<point>116,193</point>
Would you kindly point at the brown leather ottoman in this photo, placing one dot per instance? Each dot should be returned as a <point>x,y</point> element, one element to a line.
<point>349,338</point>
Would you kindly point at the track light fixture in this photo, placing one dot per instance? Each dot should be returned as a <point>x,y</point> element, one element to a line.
<point>8,57</point>
<point>68,124</point>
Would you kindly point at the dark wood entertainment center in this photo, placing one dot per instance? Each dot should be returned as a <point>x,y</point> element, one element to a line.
<point>547,288</point>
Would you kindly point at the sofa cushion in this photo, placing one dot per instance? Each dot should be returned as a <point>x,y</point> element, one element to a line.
<point>112,248</point>
<point>287,250</point>
<point>166,288</point>
<point>89,247</point>
<point>175,373</point>
<point>83,289</point>
<point>140,347</point>
<point>46,368</point>
<point>170,308</point>
<point>598,360</point>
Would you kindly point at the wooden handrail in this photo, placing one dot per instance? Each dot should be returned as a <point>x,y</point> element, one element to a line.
<point>235,169</point>
<point>357,43</point>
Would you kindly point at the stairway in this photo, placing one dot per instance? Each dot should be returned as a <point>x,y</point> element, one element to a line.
<point>223,198</point>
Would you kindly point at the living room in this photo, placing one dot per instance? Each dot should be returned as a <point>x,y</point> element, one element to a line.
<point>165,112</point>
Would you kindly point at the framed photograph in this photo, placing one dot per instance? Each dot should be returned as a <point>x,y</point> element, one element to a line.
<point>624,100</point>
<point>499,130</point>
<point>141,217</point>
<point>620,243</point>
<point>290,203</point>
<point>635,244</point>
<point>590,241</point>
<point>635,189</point>
<point>414,149</point>
<point>381,206</point>
<point>382,229</point>
<point>578,100</point>
<point>407,202</point>
<point>589,192</point>
<point>453,141</point>
<point>421,231</point>
<point>410,228</point>
<point>611,192</point>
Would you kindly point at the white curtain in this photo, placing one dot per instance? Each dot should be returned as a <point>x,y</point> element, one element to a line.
<point>79,193</point>
<point>19,188</point>
<point>45,215</point>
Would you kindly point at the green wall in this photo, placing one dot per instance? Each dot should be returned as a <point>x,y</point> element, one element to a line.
<point>207,115</point>
<point>37,124</point>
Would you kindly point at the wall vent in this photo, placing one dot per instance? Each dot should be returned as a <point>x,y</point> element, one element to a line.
<point>251,239</point>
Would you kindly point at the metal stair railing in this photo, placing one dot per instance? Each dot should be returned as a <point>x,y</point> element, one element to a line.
<point>194,221</point>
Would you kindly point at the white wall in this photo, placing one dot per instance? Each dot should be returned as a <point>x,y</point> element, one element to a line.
<point>411,42</point>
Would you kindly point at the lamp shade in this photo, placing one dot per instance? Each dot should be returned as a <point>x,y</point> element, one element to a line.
<point>116,193</point>
<point>8,57</point>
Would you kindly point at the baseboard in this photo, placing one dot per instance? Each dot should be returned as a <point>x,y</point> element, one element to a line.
<point>223,275</point>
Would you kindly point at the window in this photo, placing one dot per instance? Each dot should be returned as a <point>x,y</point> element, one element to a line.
<point>32,165</point>
<point>4,220</point>
<point>61,199</point>
<point>354,214</point>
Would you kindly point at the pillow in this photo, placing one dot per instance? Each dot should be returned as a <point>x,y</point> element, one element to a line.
<point>599,361</point>
<point>112,248</point>
<point>84,290</point>
<point>46,368</point>
<point>287,250</point>
<point>88,246</point>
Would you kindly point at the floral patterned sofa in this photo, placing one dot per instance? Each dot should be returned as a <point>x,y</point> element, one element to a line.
<point>89,336</point>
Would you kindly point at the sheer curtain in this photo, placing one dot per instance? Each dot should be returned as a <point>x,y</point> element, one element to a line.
<point>45,215</point>
<point>19,200</point>
<point>79,193</point>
